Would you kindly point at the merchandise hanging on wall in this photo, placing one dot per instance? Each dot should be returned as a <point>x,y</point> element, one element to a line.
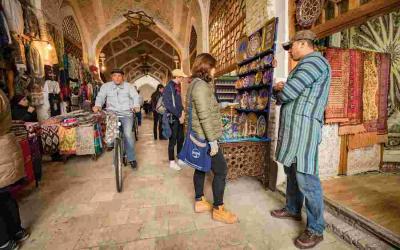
<point>308,12</point>
<point>245,122</point>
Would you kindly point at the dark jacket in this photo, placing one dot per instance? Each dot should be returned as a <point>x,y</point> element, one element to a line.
<point>154,99</point>
<point>21,113</point>
<point>170,91</point>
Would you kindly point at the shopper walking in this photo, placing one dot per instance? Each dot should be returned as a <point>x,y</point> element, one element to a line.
<point>157,116</point>
<point>303,98</point>
<point>206,123</point>
<point>173,103</point>
<point>11,171</point>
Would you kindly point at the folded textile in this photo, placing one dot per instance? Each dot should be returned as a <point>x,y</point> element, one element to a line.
<point>67,137</point>
<point>50,139</point>
<point>85,140</point>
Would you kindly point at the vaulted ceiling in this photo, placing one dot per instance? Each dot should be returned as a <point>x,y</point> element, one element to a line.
<point>125,52</point>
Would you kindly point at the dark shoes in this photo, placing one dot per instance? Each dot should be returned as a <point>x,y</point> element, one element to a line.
<point>308,240</point>
<point>133,164</point>
<point>284,214</point>
<point>11,245</point>
<point>21,236</point>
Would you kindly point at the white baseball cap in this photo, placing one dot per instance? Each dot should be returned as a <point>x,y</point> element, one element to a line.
<point>178,73</point>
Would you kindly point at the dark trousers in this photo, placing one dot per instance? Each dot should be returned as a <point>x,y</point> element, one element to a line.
<point>139,118</point>
<point>220,170</point>
<point>157,126</point>
<point>177,138</point>
<point>10,221</point>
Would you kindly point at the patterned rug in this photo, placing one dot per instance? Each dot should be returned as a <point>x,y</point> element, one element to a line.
<point>337,108</point>
<point>354,109</point>
<point>383,62</point>
<point>370,93</point>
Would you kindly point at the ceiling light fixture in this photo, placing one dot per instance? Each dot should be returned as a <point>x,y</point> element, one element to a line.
<point>139,18</point>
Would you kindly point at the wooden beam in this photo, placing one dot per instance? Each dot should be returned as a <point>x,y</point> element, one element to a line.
<point>354,4</point>
<point>343,155</point>
<point>356,17</point>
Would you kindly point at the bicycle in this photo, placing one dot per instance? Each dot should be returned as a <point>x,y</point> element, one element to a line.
<point>119,154</point>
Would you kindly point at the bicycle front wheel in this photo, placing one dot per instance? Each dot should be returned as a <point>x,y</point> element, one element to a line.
<point>118,158</point>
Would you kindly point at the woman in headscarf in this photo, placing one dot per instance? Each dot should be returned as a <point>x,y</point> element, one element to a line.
<point>20,109</point>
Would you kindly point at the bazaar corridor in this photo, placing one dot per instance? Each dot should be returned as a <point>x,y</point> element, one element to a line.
<point>77,207</point>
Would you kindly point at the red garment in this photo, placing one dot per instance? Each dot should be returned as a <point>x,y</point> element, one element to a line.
<point>26,152</point>
<point>178,88</point>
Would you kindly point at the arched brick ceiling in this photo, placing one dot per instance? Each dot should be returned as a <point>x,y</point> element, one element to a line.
<point>124,52</point>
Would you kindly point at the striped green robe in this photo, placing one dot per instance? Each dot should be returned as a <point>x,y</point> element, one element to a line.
<point>303,100</point>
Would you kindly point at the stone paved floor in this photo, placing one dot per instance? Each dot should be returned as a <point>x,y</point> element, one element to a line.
<point>77,207</point>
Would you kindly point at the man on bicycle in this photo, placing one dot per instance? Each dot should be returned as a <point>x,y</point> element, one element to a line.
<point>122,99</point>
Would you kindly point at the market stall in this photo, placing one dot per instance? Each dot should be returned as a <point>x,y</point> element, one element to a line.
<point>76,133</point>
<point>245,142</point>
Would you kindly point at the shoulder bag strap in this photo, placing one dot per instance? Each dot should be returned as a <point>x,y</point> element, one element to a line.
<point>173,96</point>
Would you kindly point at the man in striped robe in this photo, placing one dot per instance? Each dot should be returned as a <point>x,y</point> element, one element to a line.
<point>303,98</point>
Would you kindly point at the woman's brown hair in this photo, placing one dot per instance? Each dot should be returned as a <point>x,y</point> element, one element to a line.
<point>202,66</point>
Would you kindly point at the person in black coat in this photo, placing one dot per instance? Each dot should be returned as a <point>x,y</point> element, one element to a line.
<point>20,109</point>
<point>157,126</point>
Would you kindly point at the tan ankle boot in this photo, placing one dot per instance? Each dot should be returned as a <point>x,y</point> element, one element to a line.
<point>224,216</point>
<point>202,206</point>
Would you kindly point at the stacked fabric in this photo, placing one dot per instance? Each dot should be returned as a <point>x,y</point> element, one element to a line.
<point>358,97</point>
<point>19,130</point>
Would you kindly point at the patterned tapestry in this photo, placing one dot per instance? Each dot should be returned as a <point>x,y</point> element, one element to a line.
<point>382,34</point>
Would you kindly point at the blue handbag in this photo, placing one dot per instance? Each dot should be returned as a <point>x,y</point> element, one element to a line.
<point>195,151</point>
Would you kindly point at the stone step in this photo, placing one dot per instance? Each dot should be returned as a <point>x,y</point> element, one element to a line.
<point>355,230</point>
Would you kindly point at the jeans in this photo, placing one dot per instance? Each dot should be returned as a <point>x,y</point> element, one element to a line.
<point>177,138</point>
<point>10,221</point>
<point>127,123</point>
<point>157,126</point>
<point>220,170</point>
<point>302,186</point>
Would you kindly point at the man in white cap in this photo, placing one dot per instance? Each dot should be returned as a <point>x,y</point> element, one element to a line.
<point>173,103</point>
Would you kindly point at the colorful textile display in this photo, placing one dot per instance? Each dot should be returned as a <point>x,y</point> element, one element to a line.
<point>375,94</point>
<point>67,138</point>
<point>354,109</point>
<point>336,110</point>
<point>85,140</point>
<point>50,139</point>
